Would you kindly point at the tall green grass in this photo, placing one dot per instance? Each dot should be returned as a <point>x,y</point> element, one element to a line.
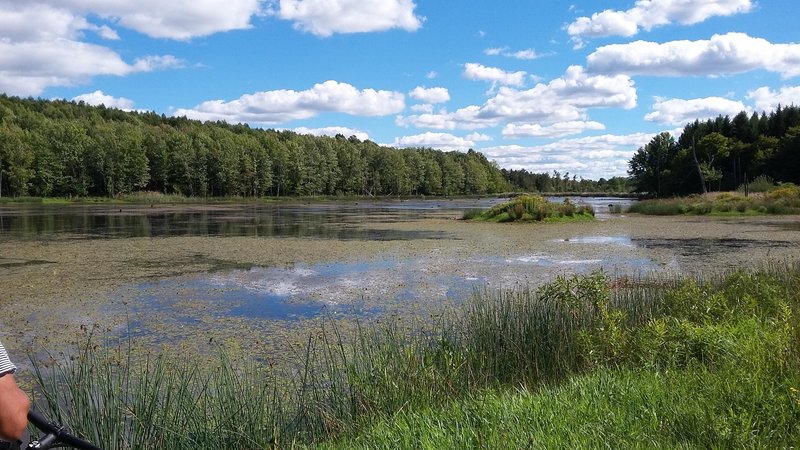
<point>784,199</point>
<point>533,208</point>
<point>501,355</point>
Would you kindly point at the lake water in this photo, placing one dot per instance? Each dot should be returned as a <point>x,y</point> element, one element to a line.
<point>183,270</point>
<point>334,220</point>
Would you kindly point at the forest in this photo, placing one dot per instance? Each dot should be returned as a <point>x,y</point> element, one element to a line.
<point>557,182</point>
<point>68,149</point>
<point>721,154</point>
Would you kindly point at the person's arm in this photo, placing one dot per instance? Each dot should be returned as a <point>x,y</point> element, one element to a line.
<point>14,404</point>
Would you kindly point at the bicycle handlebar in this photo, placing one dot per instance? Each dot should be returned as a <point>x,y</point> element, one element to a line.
<point>56,435</point>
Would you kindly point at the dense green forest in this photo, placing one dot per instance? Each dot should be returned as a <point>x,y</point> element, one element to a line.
<point>721,154</point>
<point>557,182</point>
<point>63,149</point>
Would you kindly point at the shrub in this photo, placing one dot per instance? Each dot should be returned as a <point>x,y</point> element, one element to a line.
<point>534,208</point>
<point>761,183</point>
<point>788,194</point>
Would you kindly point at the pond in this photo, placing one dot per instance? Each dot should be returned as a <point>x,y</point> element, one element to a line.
<point>333,220</point>
<point>176,272</point>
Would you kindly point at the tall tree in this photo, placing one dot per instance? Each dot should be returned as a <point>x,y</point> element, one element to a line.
<point>650,164</point>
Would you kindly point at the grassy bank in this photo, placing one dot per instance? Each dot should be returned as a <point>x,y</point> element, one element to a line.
<point>585,361</point>
<point>532,208</point>
<point>784,199</point>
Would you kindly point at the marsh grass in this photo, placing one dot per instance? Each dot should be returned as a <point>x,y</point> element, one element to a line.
<point>533,208</point>
<point>603,361</point>
<point>784,199</point>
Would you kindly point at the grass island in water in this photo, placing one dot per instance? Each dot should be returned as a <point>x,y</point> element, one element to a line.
<point>532,208</point>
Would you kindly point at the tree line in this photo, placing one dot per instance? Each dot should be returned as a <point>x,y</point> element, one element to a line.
<point>62,149</point>
<point>720,154</point>
<point>557,182</point>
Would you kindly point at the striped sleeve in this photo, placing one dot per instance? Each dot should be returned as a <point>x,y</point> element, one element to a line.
<point>6,365</point>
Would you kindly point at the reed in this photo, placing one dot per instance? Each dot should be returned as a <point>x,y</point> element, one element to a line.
<point>579,335</point>
<point>533,208</point>
<point>783,199</point>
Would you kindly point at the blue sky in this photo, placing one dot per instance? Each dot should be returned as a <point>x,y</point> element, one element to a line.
<point>548,85</point>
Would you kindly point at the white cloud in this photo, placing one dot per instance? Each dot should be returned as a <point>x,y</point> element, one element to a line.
<point>556,130</point>
<point>520,54</point>
<point>431,75</point>
<point>440,141</point>
<point>176,19</point>
<point>466,118</point>
<point>768,100</point>
<point>648,14</point>
<point>99,98</point>
<point>29,21</point>
<point>592,157</point>
<point>27,68</point>
<point>680,112</point>
<point>324,17</point>
<point>430,95</point>
<point>280,106</point>
<point>721,55</point>
<point>478,137</point>
<point>333,131</point>
<point>424,108</point>
<point>473,71</point>
<point>106,32</point>
<point>41,46</point>
<point>561,100</point>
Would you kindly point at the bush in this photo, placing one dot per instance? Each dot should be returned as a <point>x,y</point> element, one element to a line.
<point>761,183</point>
<point>534,208</point>
<point>787,194</point>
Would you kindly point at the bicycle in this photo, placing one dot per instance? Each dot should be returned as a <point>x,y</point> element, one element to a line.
<point>55,436</point>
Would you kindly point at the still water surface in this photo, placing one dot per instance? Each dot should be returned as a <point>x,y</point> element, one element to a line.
<point>383,283</point>
<point>335,220</point>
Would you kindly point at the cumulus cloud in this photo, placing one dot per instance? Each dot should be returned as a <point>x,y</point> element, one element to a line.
<point>721,55</point>
<point>467,118</point>
<point>280,106</point>
<point>767,100</point>
<point>52,52</point>
<point>333,131</point>
<point>556,130</point>
<point>430,95</point>
<point>99,98</point>
<point>27,68</point>
<point>17,19</point>
<point>648,14</point>
<point>680,112</point>
<point>563,99</point>
<point>440,141</point>
<point>424,108</point>
<point>479,137</point>
<point>519,54</point>
<point>181,19</point>
<point>592,157</point>
<point>324,18</point>
<point>473,71</point>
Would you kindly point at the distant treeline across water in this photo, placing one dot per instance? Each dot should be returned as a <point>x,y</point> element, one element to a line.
<point>68,149</point>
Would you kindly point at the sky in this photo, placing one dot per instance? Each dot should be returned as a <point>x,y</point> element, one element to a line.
<point>543,85</point>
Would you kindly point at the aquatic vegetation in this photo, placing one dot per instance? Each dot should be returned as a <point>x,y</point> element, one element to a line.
<point>698,362</point>
<point>533,208</point>
<point>784,199</point>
